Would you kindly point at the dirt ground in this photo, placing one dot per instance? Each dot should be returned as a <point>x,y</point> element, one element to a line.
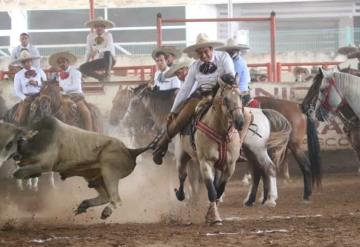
<point>150,216</point>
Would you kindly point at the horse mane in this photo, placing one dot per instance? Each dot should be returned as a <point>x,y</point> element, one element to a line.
<point>349,86</point>
<point>138,89</point>
<point>229,79</point>
<point>312,93</point>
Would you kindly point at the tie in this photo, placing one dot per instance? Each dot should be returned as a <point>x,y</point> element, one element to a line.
<point>160,77</point>
<point>30,73</point>
<point>64,75</point>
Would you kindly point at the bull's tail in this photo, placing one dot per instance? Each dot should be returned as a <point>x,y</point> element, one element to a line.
<point>314,151</point>
<point>135,152</point>
<point>279,137</point>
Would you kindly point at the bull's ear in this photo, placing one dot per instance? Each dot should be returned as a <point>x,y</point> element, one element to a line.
<point>30,134</point>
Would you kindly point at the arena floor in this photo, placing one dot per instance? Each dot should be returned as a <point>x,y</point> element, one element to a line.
<point>150,215</point>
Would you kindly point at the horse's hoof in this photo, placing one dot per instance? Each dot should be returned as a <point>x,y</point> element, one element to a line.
<point>307,201</point>
<point>180,195</point>
<point>248,204</point>
<point>94,184</point>
<point>270,204</point>
<point>82,208</point>
<point>157,160</point>
<point>216,223</point>
<point>106,213</point>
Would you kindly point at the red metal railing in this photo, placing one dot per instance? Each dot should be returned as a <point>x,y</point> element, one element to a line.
<point>271,19</point>
<point>279,66</point>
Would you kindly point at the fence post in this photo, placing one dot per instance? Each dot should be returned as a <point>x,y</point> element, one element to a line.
<point>278,71</point>
<point>158,29</point>
<point>272,45</point>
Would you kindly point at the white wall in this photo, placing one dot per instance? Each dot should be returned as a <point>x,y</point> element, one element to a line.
<point>194,28</point>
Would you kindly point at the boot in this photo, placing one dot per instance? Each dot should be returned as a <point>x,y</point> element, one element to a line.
<point>243,133</point>
<point>22,112</point>
<point>85,115</point>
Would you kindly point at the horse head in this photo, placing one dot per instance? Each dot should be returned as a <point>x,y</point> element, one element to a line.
<point>329,98</point>
<point>229,98</point>
<point>50,98</point>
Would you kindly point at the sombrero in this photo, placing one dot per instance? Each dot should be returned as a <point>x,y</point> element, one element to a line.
<point>345,50</point>
<point>167,49</point>
<point>231,44</point>
<point>182,62</point>
<point>25,55</point>
<point>65,54</point>
<point>202,40</point>
<point>99,21</point>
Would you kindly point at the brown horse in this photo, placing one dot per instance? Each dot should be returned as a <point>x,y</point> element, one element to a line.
<point>301,124</point>
<point>120,104</point>
<point>51,102</point>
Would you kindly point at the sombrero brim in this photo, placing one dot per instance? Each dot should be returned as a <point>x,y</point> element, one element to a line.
<point>233,47</point>
<point>175,52</point>
<point>175,67</point>
<point>191,50</point>
<point>106,23</point>
<point>54,57</point>
<point>355,54</point>
<point>346,50</point>
<point>24,59</point>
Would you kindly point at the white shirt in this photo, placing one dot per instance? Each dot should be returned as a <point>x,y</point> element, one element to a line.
<point>15,54</point>
<point>96,51</point>
<point>166,83</point>
<point>72,83</point>
<point>22,86</point>
<point>224,65</point>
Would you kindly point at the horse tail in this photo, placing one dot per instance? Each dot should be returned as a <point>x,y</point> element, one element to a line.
<point>314,151</point>
<point>279,137</point>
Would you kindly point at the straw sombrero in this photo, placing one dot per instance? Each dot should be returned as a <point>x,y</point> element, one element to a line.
<point>167,49</point>
<point>65,54</point>
<point>25,55</point>
<point>99,21</point>
<point>231,44</point>
<point>182,62</point>
<point>202,40</point>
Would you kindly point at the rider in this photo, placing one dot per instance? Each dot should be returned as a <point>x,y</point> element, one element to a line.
<point>27,84</point>
<point>180,68</point>
<point>25,45</point>
<point>234,50</point>
<point>160,82</point>
<point>206,70</point>
<point>100,50</point>
<point>69,79</point>
<point>171,53</point>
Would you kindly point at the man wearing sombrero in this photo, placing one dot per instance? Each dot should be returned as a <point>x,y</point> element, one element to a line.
<point>170,51</point>
<point>160,82</point>
<point>69,79</point>
<point>27,84</point>
<point>100,50</point>
<point>210,65</point>
<point>180,68</point>
<point>234,50</point>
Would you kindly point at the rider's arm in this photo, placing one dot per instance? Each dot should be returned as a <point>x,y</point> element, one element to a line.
<point>36,53</point>
<point>185,89</point>
<point>75,85</point>
<point>17,87</point>
<point>110,44</point>
<point>243,71</point>
<point>13,54</point>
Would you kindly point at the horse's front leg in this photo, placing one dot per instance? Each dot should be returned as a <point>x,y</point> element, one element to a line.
<point>212,216</point>
<point>223,179</point>
<point>181,164</point>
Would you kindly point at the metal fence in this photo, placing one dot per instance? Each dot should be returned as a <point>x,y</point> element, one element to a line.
<point>286,40</point>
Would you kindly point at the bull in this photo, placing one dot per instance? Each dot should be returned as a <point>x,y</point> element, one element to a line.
<point>51,145</point>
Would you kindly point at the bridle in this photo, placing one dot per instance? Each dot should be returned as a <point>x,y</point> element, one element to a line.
<point>326,92</point>
<point>221,99</point>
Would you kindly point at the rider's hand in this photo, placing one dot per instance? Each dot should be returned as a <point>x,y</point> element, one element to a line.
<point>171,117</point>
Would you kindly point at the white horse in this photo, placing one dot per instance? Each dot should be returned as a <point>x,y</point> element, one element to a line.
<point>218,143</point>
<point>339,94</point>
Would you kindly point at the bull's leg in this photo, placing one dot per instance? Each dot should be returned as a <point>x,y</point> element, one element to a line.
<point>101,199</point>
<point>212,216</point>
<point>182,171</point>
<point>28,172</point>
<point>111,181</point>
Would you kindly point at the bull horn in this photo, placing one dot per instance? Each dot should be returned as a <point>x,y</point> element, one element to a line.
<point>30,134</point>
